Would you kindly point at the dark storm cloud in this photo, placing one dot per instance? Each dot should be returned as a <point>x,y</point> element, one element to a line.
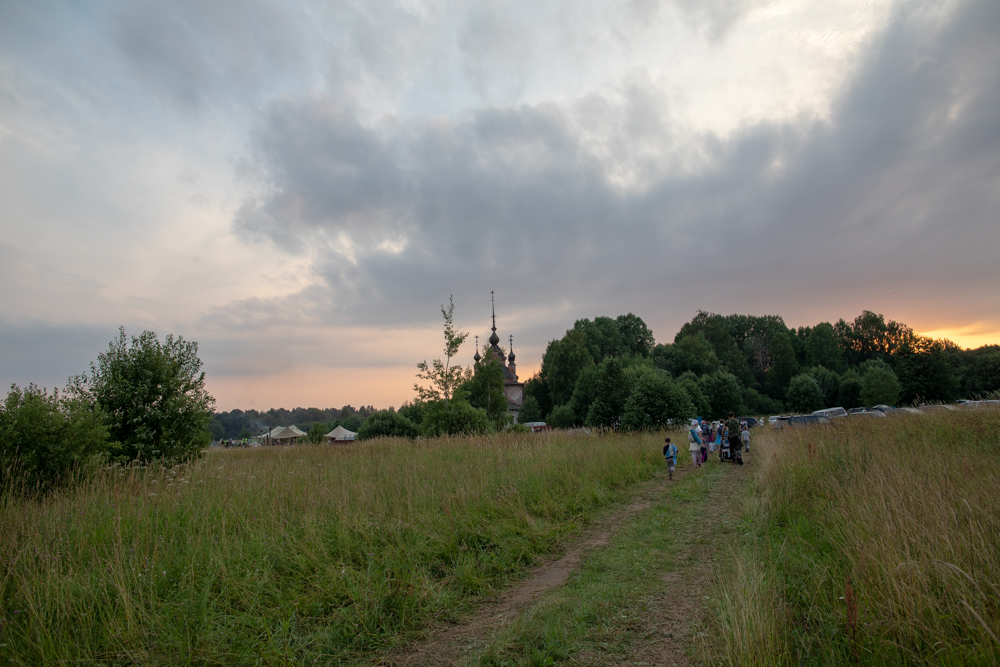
<point>45,352</point>
<point>898,190</point>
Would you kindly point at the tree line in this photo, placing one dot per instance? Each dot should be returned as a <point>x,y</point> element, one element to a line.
<point>610,372</point>
<point>239,424</point>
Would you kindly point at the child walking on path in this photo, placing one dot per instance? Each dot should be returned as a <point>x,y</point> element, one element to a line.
<point>670,454</point>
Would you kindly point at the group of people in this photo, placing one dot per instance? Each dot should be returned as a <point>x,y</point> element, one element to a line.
<point>731,437</point>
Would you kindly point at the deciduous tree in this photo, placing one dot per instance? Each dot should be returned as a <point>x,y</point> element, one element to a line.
<point>153,397</point>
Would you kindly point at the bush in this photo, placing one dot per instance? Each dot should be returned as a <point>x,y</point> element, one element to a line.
<point>153,397</point>
<point>655,402</point>
<point>387,424</point>
<point>47,437</point>
<point>562,416</point>
<point>456,417</point>
<point>517,428</point>
<point>804,394</point>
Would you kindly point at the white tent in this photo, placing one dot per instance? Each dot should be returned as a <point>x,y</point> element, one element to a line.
<point>340,434</point>
<point>285,434</point>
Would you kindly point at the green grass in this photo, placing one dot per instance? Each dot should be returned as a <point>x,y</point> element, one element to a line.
<point>876,542</point>
<point>602,608</point>
<point>297,555</point>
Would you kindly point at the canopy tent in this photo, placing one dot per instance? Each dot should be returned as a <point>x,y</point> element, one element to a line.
<point>281,434</point>
<point>340,433</point>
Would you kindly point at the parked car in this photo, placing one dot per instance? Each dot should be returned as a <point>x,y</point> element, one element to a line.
<point>751,421</point>
<point>937,408</point>
<point>831,412</point>
<point>799,420</point>
<point>979,405</point>
<point>877,414</point>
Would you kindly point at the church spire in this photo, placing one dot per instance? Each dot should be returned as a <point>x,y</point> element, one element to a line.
<point>494,338</point>
<point>477,357</point>
<point>510,357</point>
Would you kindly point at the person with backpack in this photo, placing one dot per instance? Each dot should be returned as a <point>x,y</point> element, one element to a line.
<point>735,446</point>
<point>670,454</point>
<point>694,443</point>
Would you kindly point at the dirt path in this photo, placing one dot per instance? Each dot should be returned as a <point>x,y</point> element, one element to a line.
<point>665,635</point>
<point>669,630</point>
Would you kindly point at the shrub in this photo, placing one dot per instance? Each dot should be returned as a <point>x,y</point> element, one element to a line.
<point>47,437</point>
<point>456,417</point>
<point>562,416</point>
<point>153,397</point>
<point>387,424</point>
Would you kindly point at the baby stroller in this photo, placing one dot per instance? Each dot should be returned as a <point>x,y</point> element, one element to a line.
<point>733,450</point>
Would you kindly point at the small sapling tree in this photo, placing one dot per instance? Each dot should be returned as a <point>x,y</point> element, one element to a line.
<point>442,376</point>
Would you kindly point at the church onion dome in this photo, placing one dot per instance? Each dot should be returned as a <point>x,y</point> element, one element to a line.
<point>477,357</point>
<point>510,357</point>
<point>494,338</point>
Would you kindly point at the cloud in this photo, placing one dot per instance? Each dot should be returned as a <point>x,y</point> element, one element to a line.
<point>597,198</point>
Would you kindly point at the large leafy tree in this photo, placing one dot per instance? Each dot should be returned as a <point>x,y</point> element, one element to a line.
<point>604,337</point>
<point>870,336</point>
<point>637,339</point>
<point>929,375</point>
<point>829,382</point>
<point>655,402</point>
<point>784,365</point>
<point>563,361</point>
<point>804,394</point>
<point>442,376</point>
<point>823,347</point>
<point>611,393</point>
<point>153,396</point>
<point>879,384</point>
<point>723,392</point>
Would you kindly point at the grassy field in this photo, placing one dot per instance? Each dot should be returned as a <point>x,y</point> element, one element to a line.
<point>296,555</point>
<point>876,542</point>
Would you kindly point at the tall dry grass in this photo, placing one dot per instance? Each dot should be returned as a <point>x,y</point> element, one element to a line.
<point>297,554</point>
<point>874,541</point>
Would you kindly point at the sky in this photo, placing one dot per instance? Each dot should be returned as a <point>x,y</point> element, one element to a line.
<point>299,186</point>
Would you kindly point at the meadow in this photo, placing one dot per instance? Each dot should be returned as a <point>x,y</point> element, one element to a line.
<point>874,542</point>
<point>306,554</point>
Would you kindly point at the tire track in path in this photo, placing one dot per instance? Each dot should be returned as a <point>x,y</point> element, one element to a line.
<point>681,600</point>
